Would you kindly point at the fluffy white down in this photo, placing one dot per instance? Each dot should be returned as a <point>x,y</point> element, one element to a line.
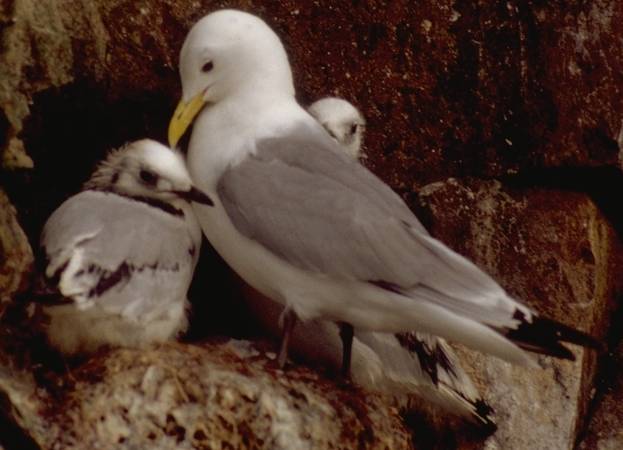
<point>342,121</point>
<point>74,331</point>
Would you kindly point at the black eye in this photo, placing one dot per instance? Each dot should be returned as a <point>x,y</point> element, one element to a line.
<point>148,177</point>
<point>207,67</point>
<point>353,128</point>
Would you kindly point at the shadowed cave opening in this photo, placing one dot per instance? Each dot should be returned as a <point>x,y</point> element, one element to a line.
<point>601,183</point>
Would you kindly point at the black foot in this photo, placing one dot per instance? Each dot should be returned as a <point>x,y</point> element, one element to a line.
<point>346,333</point>
<point>289,320</point>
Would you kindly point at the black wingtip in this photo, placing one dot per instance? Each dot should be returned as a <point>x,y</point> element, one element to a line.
<point>546,336</point>
<point>484,412</point>
<point>555,349</point>
<point>571,335</point>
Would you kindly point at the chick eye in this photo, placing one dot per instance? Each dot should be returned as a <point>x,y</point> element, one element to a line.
<point>148,177</point>
<point>207,67</point>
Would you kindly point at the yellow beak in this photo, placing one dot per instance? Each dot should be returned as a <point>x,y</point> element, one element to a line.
<point>183,116</point>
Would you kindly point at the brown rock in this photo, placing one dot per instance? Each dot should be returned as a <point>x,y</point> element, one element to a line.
<point>468,89</point>
<point>15,253</point>
<point>482,89</point>
<point>215,396</point>
<point>21,421</point>
<point>555,251</point>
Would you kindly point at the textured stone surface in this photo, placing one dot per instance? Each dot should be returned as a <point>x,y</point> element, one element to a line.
<point>551,248</point>
<point>217,396</point>
<point>21,424</point>
<point>469,89</point>
<point>555,251</point>
<point>15,253</point>
<point>538,408</point>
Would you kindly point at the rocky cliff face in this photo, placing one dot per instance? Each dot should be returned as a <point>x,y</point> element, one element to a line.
<point>500,123</point>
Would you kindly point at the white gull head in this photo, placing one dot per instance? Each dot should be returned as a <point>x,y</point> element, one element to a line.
<point>229,53</point>
<point>236,88</point>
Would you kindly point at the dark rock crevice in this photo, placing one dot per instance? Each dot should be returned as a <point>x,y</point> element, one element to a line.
<point>609,369</point>
<point>67,132</point>
<point>601,183</point>
<point>13,436</point>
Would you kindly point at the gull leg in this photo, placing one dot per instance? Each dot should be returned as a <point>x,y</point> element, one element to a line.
<point>288,319</point>
<point>346,333</point>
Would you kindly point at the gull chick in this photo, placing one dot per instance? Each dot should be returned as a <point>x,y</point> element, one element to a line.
<point>342,121</point>
<point>121,254</point>
<point>312,229</point>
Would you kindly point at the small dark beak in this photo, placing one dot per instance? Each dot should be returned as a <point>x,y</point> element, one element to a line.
<point>195,195</point>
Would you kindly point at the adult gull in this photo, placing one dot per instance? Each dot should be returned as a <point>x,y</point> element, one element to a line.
<point>312,229</point>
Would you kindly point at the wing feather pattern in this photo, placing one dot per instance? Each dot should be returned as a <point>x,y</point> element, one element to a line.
<point>99,243</point>
<point>304,200</point>
<point>353,226</point>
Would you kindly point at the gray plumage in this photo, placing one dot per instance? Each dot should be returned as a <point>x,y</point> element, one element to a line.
<point>353,226</point>
<point>122,263</point>
<point>320,211</point>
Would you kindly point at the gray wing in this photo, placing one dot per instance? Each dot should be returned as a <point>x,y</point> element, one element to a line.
<point>98,244</point>
<point>305,201</point>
